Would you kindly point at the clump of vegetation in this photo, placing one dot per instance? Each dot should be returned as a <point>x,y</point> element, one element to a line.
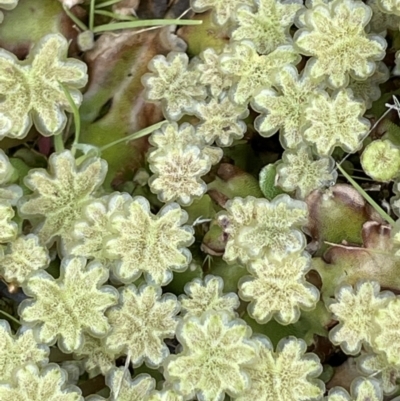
<point>199,200</point>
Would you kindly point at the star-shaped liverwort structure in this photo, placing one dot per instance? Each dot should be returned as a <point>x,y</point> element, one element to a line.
<point>32,89</point>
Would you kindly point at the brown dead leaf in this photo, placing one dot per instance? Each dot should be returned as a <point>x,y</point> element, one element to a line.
<point>113,105</point>
<point>375,260</point>
<point>337,215</point>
